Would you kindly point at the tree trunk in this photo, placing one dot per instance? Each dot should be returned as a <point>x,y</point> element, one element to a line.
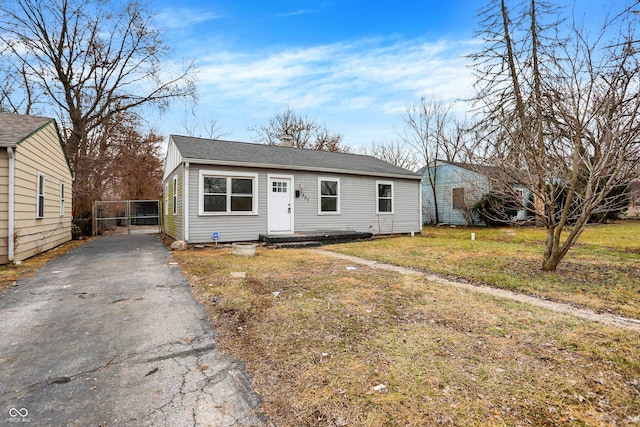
<point>551,263</point>
<point>435,206</point>
<point>432,176</point>
<point>552,251</point>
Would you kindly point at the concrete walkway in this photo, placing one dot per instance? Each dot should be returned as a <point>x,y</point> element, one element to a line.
<point>109,334</point>
<point>582,313</point>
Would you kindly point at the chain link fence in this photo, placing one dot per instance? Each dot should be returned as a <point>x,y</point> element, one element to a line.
<point>132,215</point>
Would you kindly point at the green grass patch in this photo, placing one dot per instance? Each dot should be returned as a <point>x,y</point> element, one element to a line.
<point>601,272</point>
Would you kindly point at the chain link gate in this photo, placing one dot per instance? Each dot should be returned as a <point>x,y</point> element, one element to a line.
<point>132,214</point>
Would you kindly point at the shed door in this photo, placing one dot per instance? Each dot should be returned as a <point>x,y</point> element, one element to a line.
<point>280,205</point>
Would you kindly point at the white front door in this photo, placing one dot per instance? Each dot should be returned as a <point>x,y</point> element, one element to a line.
<point>280,203</point>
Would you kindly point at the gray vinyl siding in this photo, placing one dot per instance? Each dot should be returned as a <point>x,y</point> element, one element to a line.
<point>231,228</point>
<point>358,206</point>
<point>357,199</point>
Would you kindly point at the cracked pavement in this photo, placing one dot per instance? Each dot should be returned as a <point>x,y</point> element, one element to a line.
<point>109,334</point>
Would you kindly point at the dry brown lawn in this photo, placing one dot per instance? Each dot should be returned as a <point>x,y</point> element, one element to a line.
<point>332,344</point>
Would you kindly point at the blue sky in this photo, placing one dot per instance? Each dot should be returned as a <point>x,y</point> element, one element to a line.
<point>352,65</point>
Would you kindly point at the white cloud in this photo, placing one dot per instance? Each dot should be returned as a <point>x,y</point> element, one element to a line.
<point>182,18</point>
<point>349,86</point>
<point>340,72</point>
<point>295,13</point>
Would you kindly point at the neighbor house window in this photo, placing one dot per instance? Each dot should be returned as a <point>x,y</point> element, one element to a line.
<point>61,198</point>
<point>458,198</point>
<point>175,195</point>
<point>222,194</point>
<point>40,196</point>
<point>385,197</point>
<point>329,200</point>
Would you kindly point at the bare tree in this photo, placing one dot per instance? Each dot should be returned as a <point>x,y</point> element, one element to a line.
<point>91,60</point>
<point>305,133</point>
<point>433,132</point>
<point>16,91</point>
<point>560,115</point>
<point>393,152</point>
<point>206,129</point>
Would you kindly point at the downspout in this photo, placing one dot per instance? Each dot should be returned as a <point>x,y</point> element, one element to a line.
<point>11,227</point>
<point>185,202</point>
<point>420,207</point>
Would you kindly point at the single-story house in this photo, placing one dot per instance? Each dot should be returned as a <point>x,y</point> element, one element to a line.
<point>241,191</point>
<point>458,187</point>
<point>35,187</point>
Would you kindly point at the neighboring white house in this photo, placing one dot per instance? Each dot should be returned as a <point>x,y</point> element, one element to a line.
<point>35,187</point>
<point>458,187</point>
<point>243,190</point>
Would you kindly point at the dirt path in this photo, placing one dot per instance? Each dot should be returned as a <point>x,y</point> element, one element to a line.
<point>586,314</point>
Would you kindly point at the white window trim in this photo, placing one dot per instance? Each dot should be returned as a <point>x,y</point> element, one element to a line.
<point>174,199</point>
<point>61,198</point>
<point>328,178</point>
<point>40,191</point>
<point>393,197</point>
<point>227,175</point>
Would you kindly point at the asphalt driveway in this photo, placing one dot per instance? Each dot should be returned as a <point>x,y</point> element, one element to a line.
<point>109,334</point>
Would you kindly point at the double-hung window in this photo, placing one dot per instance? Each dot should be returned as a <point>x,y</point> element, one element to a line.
<point>224,194</point>
<point>329,199</point>
<point>40,196</point>
<point>384,197</point>
<point>175,195</point>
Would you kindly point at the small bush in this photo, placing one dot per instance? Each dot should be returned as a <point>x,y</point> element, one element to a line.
<point>495,210</point>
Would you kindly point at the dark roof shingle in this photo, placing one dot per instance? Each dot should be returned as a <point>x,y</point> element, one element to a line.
<point>261,155</point>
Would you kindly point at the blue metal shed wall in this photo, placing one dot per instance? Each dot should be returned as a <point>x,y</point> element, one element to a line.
<point>449,177</point>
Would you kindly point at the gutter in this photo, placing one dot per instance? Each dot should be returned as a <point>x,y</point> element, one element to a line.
<point>185,202</point>
<point>11,226</point>
<point>302,168</point>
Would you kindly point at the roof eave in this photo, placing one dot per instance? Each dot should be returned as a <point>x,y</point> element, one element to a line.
<point>298,168</point>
